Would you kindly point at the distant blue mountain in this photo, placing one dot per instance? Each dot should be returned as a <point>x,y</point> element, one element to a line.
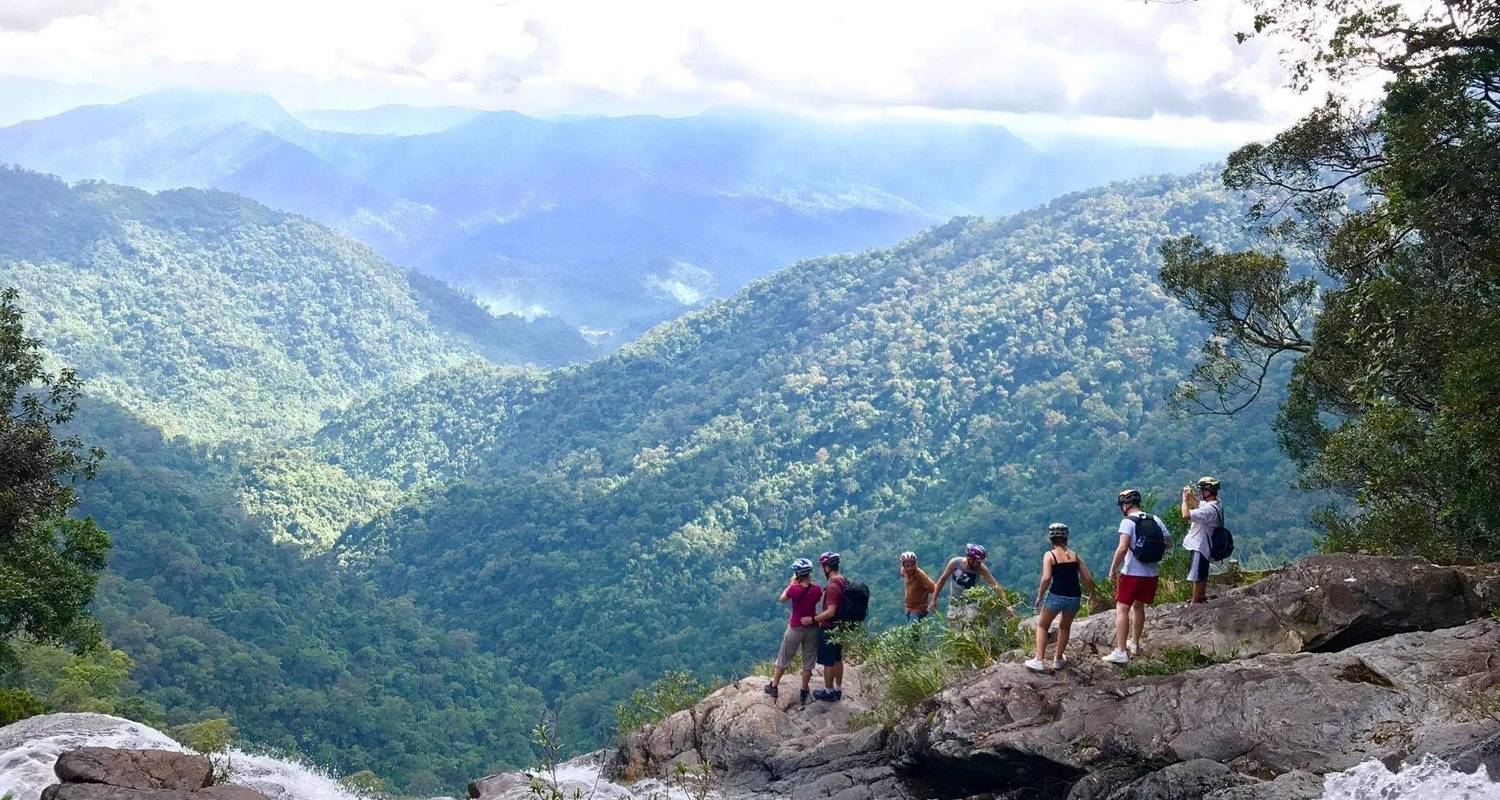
<point>390,120</point>
<point>35,98</point>
<point>613,223</point>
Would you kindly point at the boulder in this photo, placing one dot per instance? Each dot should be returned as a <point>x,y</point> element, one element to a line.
<point>755,746</point>
<point>1006,728</point>
<point>1295,785</point>
<point>134,769</point>
<point>1189,780</point>
<point>107,773</point>
<point>1326,603</point>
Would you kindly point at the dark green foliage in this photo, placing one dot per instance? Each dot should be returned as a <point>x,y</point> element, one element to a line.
<point>16,705</point>
<point>48,564</point>
<point>667,695</point>
<point>300,656</point>
<point>1393,400</point>
<point>216,317</point>
<point>1171,661</point>
<point>972,384</point>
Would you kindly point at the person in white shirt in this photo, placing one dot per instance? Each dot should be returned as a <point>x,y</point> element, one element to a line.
<point>1204,516</point>
<point>1143,542</point>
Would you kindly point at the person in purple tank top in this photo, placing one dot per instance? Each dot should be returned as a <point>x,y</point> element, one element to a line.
<point>800,636</point>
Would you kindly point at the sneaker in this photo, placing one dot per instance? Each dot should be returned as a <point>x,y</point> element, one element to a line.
<point>773,690</point>
<point>821,694</point>
<point>1117,657</point>
<point>1134,648</point>
<point>1060,662</point>
<point>1035,665</point>
<point>835,695</point>
<point>805,693</point>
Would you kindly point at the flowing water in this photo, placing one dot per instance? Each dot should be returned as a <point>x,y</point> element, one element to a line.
<point>29,747</point>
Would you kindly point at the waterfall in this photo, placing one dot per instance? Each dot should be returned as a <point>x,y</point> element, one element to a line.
<point>29,747</point>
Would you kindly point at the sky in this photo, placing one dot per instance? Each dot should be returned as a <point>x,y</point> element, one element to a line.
<point>1162,71</point>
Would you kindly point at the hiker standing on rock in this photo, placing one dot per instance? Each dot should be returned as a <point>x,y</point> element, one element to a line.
<point>1059,596</point>
<point>920,589</point>
<point>965,572</point>
<point>1204,518</point>
<point>801,635</point>
<point>830,653</point>
<point>1143,542</point>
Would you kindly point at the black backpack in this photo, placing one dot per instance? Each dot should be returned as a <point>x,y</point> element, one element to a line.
<point>1149,543</point>
<point>1220,540</point>
<point>855,605</point>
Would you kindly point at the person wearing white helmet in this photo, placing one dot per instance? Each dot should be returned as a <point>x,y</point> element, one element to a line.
<point>920,588</point>
<point>965,571</point>
<point>801,633</point>
<point>1203,517</point>
<point>1058,596</point>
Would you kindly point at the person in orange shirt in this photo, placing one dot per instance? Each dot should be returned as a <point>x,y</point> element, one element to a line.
<point>919,587</point>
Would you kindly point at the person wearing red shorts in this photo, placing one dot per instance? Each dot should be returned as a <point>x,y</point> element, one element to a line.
<point>1143,542</point>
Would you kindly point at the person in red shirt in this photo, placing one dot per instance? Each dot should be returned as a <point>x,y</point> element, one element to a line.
<point>830,653</point>
<point>801,634</point>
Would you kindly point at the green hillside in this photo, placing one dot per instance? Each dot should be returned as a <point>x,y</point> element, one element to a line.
<point>974,383</point>
<point>220,319</point>
<point>300,655</point>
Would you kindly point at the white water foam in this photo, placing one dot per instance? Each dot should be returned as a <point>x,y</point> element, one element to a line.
<point>1427,778</point>
<point>29,748</point>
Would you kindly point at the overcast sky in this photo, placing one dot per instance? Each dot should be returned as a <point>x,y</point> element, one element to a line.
<point>1165,71</point>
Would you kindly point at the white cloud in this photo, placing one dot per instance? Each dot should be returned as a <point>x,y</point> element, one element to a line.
<point>36,15</point>
<point>1049,58</point>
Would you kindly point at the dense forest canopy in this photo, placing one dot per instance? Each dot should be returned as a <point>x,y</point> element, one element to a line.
<point>1394,398</point>
<point>220,319</point>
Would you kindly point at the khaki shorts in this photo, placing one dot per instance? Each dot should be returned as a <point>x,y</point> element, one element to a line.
<point>794,640</point>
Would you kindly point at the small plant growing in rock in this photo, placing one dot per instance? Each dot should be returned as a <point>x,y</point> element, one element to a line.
<point>1171,661</point>
<point>669,694</point>
<point>211,739</point>
<point>697,781</point>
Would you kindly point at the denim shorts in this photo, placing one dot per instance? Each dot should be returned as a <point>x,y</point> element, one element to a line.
<point>1059,604</point>
<point>915,616</point>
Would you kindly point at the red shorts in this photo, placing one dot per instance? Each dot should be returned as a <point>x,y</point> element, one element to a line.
<point>1133,589</point>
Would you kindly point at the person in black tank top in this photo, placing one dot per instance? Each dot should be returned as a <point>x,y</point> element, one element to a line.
<point>1058,596</point>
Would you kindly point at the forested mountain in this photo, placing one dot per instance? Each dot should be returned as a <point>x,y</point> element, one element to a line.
<point>974,383</point>
<point>216,317</point>
<point>610,223</point>
<point>300,655</point>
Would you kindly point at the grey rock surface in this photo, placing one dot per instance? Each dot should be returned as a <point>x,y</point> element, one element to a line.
<point>134,769</point>
<point>1315,712</point>
<point>1323,604</point>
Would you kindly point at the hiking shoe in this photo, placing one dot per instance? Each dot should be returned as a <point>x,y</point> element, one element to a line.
<point>1134,648</point>
<point>1117,657</point>
<point>773,690</point>
<point>1036,665</point>
<point>820,694</point>
<point>1060,662</point>
<point>805,693</point>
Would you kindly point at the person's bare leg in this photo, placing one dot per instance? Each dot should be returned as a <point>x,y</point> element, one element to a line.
<point>1064,630</point>
<point>1122,625</point>
<point>806,679</point>
<point>1043,623</point>
<point>1139,613</point>
<point>838,675</point>
<point>776,676</point>
<point>1200,592</point>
